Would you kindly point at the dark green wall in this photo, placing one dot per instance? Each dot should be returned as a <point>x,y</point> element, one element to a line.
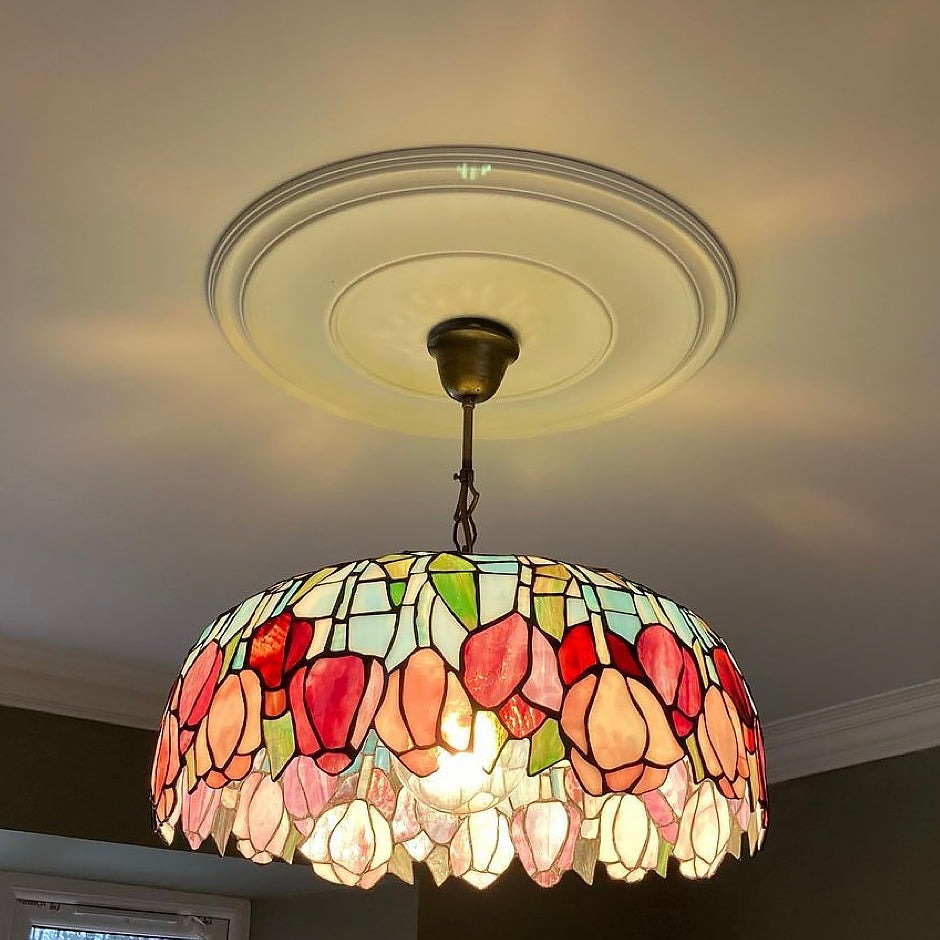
<point>76,778</point>
<point>852,853</point>
<point>387,912</point>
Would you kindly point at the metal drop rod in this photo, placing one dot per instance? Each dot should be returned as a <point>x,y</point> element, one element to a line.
<point>469,496</point>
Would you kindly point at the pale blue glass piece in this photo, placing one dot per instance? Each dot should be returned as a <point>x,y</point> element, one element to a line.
<point>354,767</point>
<point>405,642</point>
<point>210,629</point>
<point>319,601</point>
<point>264,609</point>
<point>383,759</point>
<point>645,609</point>
<point>413,587</point>
<point>289,592</point>
<point>590,598</point>
<point>447,633</point>
<point>712,671</point>
<point>238,660</point>
<point>497,596</point>
<point>370,743</point>
<point>500,567</point>
<point>371,634</point>
<point>701,629</point>
<point>601,580</point>
<point>592,577</point>
<point>339,575</point>
<point>371,597</point>
<point>575,610</point>
<point>240,618</point>
<point>679,623</point>
<point>624,625</point>
<point>614,599</point>
<point>342,611</point>
<point>493,559</point>
<point>361,566</point>
<point>423,615</point>
<point>338,640</point>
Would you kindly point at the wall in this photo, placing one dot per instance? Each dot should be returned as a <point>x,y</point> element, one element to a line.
<point>387,912</point>
<point>851,853</point>
<point>76,778</point>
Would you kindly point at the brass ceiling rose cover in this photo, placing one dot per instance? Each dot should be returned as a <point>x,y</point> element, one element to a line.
<point>331,284</point>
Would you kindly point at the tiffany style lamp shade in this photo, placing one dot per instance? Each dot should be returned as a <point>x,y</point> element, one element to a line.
<point>461,709</point>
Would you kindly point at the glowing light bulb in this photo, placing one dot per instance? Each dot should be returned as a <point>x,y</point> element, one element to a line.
<point>473,780</point>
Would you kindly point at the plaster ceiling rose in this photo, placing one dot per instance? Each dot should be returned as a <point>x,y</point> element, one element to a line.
<point>329,284</point>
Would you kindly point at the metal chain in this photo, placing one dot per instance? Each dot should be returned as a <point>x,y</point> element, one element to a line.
<point>469,495</point>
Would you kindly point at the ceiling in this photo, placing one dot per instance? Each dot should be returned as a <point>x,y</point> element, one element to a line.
<point>787,492</point>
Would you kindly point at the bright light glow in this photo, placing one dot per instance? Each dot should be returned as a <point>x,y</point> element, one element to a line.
<point>474,780</point>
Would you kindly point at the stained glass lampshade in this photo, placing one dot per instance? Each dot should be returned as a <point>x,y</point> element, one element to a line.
<point>463,709</point>
<point>460,710</point>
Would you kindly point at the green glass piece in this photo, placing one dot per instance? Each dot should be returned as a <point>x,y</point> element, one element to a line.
<point>401,866</point>
<point>662,860</point>
<point>547,747</point>
<point>459,593</point>
<point>228,654</point>
<point>550,614</point>
<point>397,591</point>
<point>695,756</point>
<point>279,741</point>
<point>585,859</point>
<point>448,562</point>
<point>290,846</point>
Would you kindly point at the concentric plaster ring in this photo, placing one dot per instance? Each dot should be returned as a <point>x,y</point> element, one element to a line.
<point>329,284</point>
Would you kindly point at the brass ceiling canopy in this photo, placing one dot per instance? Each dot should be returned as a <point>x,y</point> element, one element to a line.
<point>472,355</point>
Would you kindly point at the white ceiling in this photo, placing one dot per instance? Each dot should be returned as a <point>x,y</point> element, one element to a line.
<point>788,492</point>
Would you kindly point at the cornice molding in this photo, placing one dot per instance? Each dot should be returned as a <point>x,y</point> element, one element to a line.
<point>867,729</point>
<point>48,678</point>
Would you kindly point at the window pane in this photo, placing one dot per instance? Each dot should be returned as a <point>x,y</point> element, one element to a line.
<point>55,933</point>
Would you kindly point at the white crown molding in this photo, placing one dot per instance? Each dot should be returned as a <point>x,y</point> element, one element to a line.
<point>69,682</point>
<point>856,732</point>
<point>49,678</point>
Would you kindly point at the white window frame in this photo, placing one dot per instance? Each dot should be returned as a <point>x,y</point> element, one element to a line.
<point>102,907</point>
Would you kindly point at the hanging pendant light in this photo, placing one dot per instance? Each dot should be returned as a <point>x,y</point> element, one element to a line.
<point>461,709</point>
